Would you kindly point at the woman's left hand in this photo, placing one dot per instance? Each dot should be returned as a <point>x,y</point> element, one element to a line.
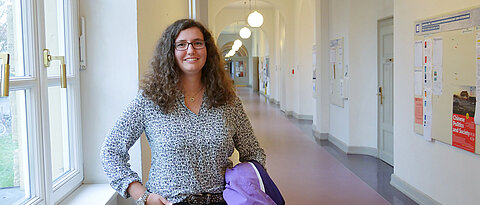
<point>155,199</point>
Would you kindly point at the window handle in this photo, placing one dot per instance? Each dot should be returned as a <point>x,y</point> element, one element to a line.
<point>63,67</point>
<point>5,74</point>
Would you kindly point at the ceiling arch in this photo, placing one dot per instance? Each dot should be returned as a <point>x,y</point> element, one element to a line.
<point>217,6</point>
<point>227,46</point>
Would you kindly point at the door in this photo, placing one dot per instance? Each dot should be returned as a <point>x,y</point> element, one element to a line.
<point>40,158</point>
<point>255,74</point>
<point>385,90</point>
<point>240,69</point>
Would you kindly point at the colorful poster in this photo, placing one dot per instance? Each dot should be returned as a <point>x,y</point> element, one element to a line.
<point>463,125</point>
<point>477,119</point>
<point>239,68</point>
<point>418,111</point>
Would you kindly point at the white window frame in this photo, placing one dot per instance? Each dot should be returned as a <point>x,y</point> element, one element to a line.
<point>41,188</point>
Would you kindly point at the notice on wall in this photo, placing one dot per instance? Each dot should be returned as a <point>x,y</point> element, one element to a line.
<point>418,53</point>
<point>418,111</point>
<point>437,61</point>
<point>427,77</point>
<point>418,82</point>
<point>333,55</point>
<point>450,58</point>
<point>477,107</point>
<point>427,89</point>
<point>437,80</point>
<point>427,51</point>
<point>427,115</point>
<point>338,77</point>
<point>463,125</point>
<point>340,88</point>
<point>437,51</point>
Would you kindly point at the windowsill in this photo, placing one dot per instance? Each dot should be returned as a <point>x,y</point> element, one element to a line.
<point>91,194</point>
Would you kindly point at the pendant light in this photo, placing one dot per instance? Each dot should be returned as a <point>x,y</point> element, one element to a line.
<point>245,33</point>
<point>237,43</point>
<point>255,19</point>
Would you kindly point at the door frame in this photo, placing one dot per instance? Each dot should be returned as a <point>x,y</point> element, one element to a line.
<point>245,68</point>
<point>386,158</point>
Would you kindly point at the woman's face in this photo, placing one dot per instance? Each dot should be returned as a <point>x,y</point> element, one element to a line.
<point>191,60</point>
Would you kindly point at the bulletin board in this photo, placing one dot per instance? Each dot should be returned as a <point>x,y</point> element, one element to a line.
<point>336,72</point>
<point>446,63</point>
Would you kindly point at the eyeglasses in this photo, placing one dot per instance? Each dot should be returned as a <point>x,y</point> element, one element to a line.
<point>181,46</point>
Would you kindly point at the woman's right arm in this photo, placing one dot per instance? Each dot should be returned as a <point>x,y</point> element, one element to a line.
<point>123,135</point>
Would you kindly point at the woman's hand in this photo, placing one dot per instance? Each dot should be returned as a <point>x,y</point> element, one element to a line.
<point>155,199</point>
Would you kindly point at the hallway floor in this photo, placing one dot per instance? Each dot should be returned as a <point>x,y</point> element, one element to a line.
<point>311,173</point>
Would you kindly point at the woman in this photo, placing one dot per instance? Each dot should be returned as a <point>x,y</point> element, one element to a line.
<point>192,118</point>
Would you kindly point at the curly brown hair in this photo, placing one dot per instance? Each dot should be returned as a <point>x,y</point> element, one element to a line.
<point>162,83</point>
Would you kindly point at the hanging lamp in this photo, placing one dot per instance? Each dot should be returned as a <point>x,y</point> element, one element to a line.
<point>255,19</point>
<point>245,32</point>
<point>238,43</point>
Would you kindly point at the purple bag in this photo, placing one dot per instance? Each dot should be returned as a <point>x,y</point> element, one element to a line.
<point>248,183</point>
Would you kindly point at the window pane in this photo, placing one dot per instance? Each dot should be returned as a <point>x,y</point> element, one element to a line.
<point>57,106</point>
<point>54,33</point>
<point>11,35</point>
<point>14,172</point>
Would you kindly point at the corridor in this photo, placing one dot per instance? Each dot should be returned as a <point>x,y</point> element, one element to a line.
<point>304,171</point>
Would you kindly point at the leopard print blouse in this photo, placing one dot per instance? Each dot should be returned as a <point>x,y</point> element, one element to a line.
<point>189,151</point>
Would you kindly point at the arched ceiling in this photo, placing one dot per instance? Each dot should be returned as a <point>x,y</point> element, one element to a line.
<point>227,46</point>
<point>246,4</point>
<point>233,28</point>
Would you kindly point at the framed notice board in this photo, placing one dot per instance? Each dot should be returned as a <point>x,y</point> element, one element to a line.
<point>336,72</point>
<point>446,63</point>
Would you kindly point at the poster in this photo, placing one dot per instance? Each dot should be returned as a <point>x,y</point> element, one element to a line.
<point>418,111</point>
<point>240,69</point>
<point>463,125</point>
<point>418,52</point>
<point>477,46</point>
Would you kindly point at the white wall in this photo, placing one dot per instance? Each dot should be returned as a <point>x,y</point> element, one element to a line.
<point>303,46</point>
<point>110,81</point>
<point>364,16</point>
<point>447,174</point>
<point>153,18</point>
<point>321,122</point>
<point>339,27</point>
<point>356,123</point>
<point>275,62</point>
<point>115,60</point>
<point>281,62</point>
<point>118,53</point>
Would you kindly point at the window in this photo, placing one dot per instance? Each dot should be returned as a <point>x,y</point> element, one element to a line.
<point>40,143</point>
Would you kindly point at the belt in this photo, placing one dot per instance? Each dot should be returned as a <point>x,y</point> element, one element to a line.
<point>204,198</point>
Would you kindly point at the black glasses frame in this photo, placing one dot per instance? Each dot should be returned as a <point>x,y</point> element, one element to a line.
<point>188,44</point>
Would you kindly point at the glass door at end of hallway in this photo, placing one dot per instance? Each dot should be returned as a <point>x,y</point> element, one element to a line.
<point>238,71</point>
<point>39,119</point>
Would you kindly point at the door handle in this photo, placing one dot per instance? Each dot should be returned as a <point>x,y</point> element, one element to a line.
<point>5,74</point>
<point>63,67</point>
<point>380,93</point>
